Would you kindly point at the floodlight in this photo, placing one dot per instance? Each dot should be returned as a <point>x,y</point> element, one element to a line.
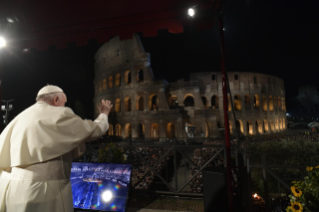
<point>2,42</point>
<point>3,107</point>
<point>107,195</point>
<point>191,12</point>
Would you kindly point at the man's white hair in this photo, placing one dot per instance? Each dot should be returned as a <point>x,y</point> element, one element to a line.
<point>48,97</point>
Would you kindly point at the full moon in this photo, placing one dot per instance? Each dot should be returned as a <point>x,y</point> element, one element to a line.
<point>107,195</point>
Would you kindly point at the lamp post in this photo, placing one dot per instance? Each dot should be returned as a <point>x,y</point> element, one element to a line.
<point>192,13</point>
<point>7,107</point>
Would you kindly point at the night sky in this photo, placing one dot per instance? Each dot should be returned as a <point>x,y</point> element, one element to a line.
<point>280,38</point>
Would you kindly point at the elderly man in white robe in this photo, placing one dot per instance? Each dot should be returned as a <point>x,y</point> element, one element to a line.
<point>37,149</point>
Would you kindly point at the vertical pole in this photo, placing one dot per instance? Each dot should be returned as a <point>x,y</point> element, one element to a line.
<point>226,120</point>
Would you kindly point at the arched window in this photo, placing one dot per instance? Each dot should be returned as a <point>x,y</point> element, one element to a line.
<point>154,132</point>
<point>118,130</point>
<point>215,102</point>
<point>170,130</point>
<point>240,126</point>
<point>117,105</point>
<point>266,126</point>
<point>256,101</point>
<point>275,102</point>
<point>127,104</point>
<point>104,84</point>
<point>100,86</point>
<point>204,100</point>
<point>153,102</point>
<point>128,130</point>
<point>237,102</point>
<point>127,76</point>
<point>272,125</point>
<point>264,103</point>
<point>111,133</point>
<point>280,124</point>
<point>110,81</point>
<point>230,128</point>
<point>173,101</point>
<point>271,103</point>
<point>283,123</point>
<point>141,130</point>
<point>282,103</point>
<point>247,101</point>
<point>259,127</point>
<point>276,124</point>
<point>140,103</point>
<point>279,103</point>
<point>249,128</point>
<point>140,75</point>
<point>229,103</point>
<point>189,101</point>
<point>118,80</point>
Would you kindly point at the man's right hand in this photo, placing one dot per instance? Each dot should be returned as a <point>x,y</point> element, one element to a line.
<point>105,106</point>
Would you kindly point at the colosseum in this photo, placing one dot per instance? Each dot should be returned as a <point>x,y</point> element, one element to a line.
<point>149,109</point>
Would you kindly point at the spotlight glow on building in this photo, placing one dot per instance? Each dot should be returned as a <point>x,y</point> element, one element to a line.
<point>3,42</point>
<point>107,195</point>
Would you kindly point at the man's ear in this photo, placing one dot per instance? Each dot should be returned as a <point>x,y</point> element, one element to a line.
<point>55,100</point>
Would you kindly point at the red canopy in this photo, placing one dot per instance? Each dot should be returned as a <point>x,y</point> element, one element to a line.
<point>40,23</point>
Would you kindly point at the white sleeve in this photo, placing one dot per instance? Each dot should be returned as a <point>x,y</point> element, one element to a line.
<point>102,122</point>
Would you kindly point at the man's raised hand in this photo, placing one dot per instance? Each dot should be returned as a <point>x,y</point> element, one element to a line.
<point>105,106</point>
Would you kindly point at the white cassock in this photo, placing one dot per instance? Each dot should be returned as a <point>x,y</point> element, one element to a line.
<point>36,152</point>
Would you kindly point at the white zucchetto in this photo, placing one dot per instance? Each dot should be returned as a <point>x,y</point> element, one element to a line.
<point>49,89</point>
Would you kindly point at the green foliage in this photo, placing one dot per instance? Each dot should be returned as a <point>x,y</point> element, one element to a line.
<point>308,195</point>
<point>111,153</point>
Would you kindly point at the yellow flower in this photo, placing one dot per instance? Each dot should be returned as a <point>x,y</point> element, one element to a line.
<point>296,191</point>
<point>288,209</point>
<point>317,167</point>
<point>309,168</point>
<point>296,207</point>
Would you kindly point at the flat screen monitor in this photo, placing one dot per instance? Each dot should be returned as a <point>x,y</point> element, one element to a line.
<point>100,186</point>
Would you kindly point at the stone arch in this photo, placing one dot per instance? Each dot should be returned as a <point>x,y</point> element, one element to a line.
<point>154,131</point>
<point>249,128</point>
<point>275,102</point>
<point>128,130</point>
<point>266,126</point>
<point>205,130</point>
<point>118,80</point>
<point>110,133</point>
<point>271,103</point>
<point>256,101</point>
<point>272,125</point>
<point>265,103</point>
<point>140,130</point>
<point>240,126</point>
<point>230,127</point>
<point>283,123</point>
<point>276,124</point>
<point>215,102</point>
<point>280,124</point>
<point>127,77</point>
<point>139,104</point>
<point>100,86</point>
<point>117,105</point>
<point>189,100</point>
<point>229,103</point>
<point>237,102</point>
<point>170,130</point>
<point>104,84</point>
<point>153,102</point>
<point>118,130</point>
<point>140,76</point>
<point>127,104</point>
<point>279,103</point>
<point>110,81</point>
<point>282,104</point>
<point>173,102</point>
<point>204,100</point>
<point>259,127</point>
<point>247,101</point>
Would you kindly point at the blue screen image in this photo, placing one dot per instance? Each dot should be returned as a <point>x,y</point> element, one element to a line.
<point>100,186</point>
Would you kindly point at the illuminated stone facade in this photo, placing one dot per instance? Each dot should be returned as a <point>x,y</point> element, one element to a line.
<point>158,110</point>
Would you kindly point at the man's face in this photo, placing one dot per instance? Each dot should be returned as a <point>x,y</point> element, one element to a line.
<point>60,101</point>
